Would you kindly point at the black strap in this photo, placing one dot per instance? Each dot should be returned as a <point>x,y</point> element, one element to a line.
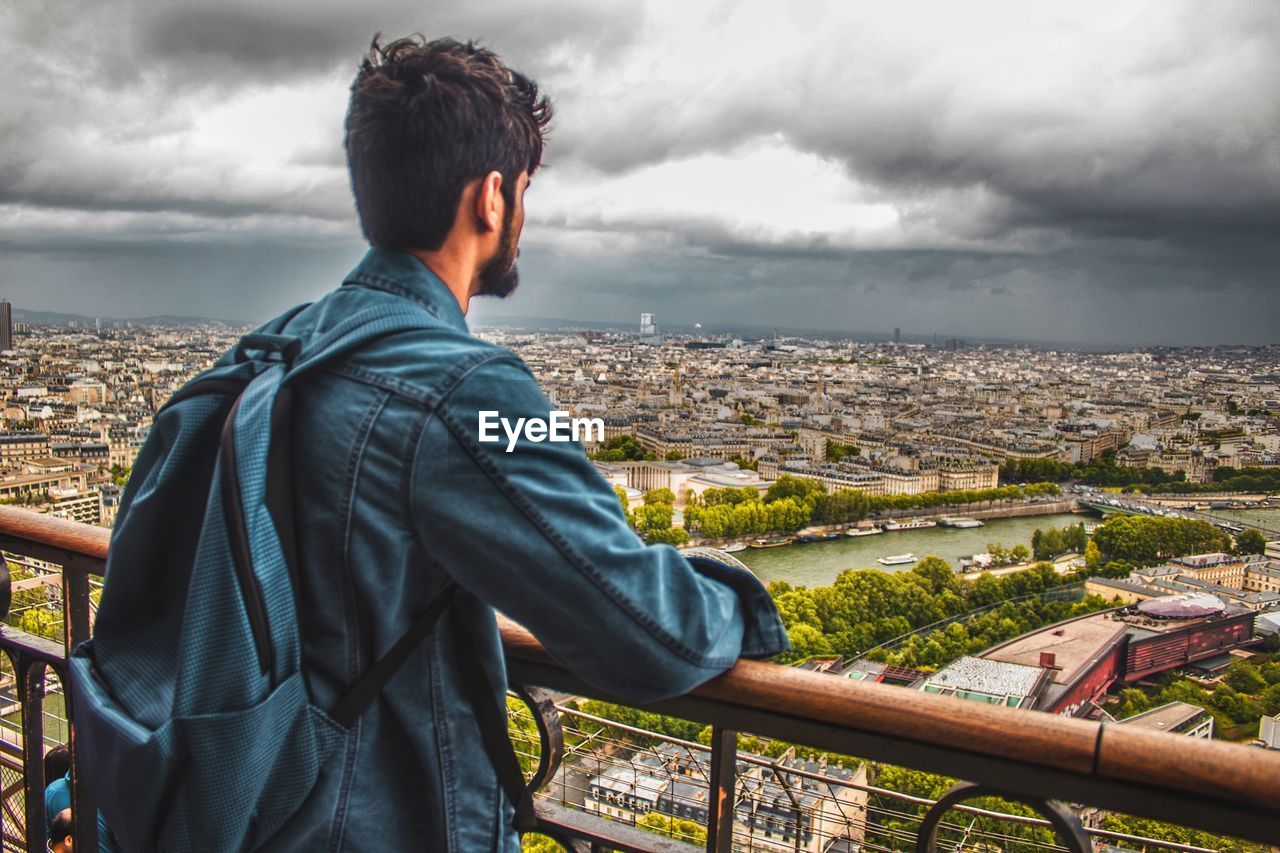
<point>490,717</point>
<point>279,492</point>
<point>357,699</point>
<point>238,534</point>
<point>492,721</point>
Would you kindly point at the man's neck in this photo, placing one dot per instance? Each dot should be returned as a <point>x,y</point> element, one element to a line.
<point>456,269</point>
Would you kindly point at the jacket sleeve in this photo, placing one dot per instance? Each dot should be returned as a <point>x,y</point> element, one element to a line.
<point>537,533</point>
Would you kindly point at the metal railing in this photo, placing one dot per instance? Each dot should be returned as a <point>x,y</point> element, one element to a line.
<point>1029,757</point>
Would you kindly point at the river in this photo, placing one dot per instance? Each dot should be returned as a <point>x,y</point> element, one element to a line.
<point>817,563</point>
<point>1265,518</point>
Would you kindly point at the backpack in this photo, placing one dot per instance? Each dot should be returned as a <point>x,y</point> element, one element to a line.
<point>192,719</point>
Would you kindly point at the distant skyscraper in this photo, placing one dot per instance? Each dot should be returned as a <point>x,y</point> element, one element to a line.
<point>897,335</point>
<point>6,325</point>
<point>648,325</point>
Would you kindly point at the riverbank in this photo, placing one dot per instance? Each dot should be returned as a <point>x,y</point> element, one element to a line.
<point>1020,509</point>
<point>818,563</point>
<point>1061,565</point>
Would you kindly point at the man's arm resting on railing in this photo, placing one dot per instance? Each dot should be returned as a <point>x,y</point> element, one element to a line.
<point>538,534</point>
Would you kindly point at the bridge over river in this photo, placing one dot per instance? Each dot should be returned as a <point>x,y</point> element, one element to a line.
<point>1129,505</point>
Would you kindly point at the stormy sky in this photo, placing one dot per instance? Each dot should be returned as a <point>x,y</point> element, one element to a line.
<point>1095,172</point>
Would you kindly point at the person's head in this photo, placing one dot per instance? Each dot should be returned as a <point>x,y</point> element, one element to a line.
<point>60,832</point>
<point>431,125</point>
<point>57,762</point>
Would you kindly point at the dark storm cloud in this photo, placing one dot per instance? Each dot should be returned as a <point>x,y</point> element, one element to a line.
<point>1114,167</point>
<point>1178,135</point>
<point>84,79</point>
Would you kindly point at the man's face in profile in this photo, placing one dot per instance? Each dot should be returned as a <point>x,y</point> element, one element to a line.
<point>499,276</point>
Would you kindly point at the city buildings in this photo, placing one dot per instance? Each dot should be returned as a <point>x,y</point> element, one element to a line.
<point>6,325</point>
<point>796,803</point>
<point>882,418</point>
<point>1068,667</point>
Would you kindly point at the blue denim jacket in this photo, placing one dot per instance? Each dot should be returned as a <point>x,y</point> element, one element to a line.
<point>395,496</point>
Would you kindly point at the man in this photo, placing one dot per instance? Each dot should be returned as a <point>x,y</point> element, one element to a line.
<point>60,832</point>
<point>397,496</point>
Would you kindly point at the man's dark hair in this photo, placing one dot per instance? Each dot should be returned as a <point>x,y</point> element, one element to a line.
<point>61,826</point>
<point>425,118</point>
<point>57,762</point>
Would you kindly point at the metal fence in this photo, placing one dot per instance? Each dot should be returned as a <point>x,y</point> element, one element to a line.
<point>809,778</point>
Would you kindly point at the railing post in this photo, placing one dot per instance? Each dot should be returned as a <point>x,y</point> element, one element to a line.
<point>29,674</point>
<point>724,761</point>
<point>75,598</point>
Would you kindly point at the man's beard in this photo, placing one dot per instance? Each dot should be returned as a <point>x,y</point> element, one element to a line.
<point>499,276</point>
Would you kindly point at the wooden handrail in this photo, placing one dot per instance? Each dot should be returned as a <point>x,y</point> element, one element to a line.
<point>1119,753</point>
<point>1049,749</point>
<point>51,533</point>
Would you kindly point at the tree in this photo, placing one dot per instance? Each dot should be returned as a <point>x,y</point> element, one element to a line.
<point>1250,541</point>
<point>793,487</point>
<point>1244,677</point>
<point>1092,556</point>
<point>673,827</point>
<point>620,448</point>
<point>626,504</point>
<point>652,517</point>
<point>937,573</point>
<point>807,641</point>
<point>676,536</point>
<point>1148,540</point>
<point>1132,701</point>
<point>674,455</point>
<point>836,450</point>
<point>660,496</point>
<point>1271,700</point>
<point>532,842</point>
<point>1177,834</point>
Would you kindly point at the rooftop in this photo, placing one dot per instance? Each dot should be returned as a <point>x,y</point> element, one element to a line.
<point>997,679</point>
<point>1074,644</point>
<point>1165,718</point>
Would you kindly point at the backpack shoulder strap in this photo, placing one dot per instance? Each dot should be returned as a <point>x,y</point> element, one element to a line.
<point>222,381</point>
<point>369,685</point>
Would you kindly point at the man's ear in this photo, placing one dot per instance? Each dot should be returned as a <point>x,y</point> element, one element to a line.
<point>489,202</point>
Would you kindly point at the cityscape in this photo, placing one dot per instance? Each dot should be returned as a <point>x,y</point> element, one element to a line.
<point>942,334</point>
<point>831,466</point>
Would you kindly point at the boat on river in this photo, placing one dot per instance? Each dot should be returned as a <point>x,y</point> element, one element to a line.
<point>816,537</point>
<point>959,521</point>
<point>734,548</point>
<point>863,531</point>
<point>910,524</point>
<point>898,559</point>
<point>775,542</point>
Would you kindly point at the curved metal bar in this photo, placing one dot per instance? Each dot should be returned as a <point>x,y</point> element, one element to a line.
<point>550,732</point>
<point>6,587</point>
<point>1065,824</point>
<point>29,674</point>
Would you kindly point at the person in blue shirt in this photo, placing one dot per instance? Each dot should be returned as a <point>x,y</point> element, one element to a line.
<point>57,800</point>
<point>60,830</point>
<point>398,498</point>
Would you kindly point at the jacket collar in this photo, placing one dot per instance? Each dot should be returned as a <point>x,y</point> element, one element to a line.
<point>405,275</point>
